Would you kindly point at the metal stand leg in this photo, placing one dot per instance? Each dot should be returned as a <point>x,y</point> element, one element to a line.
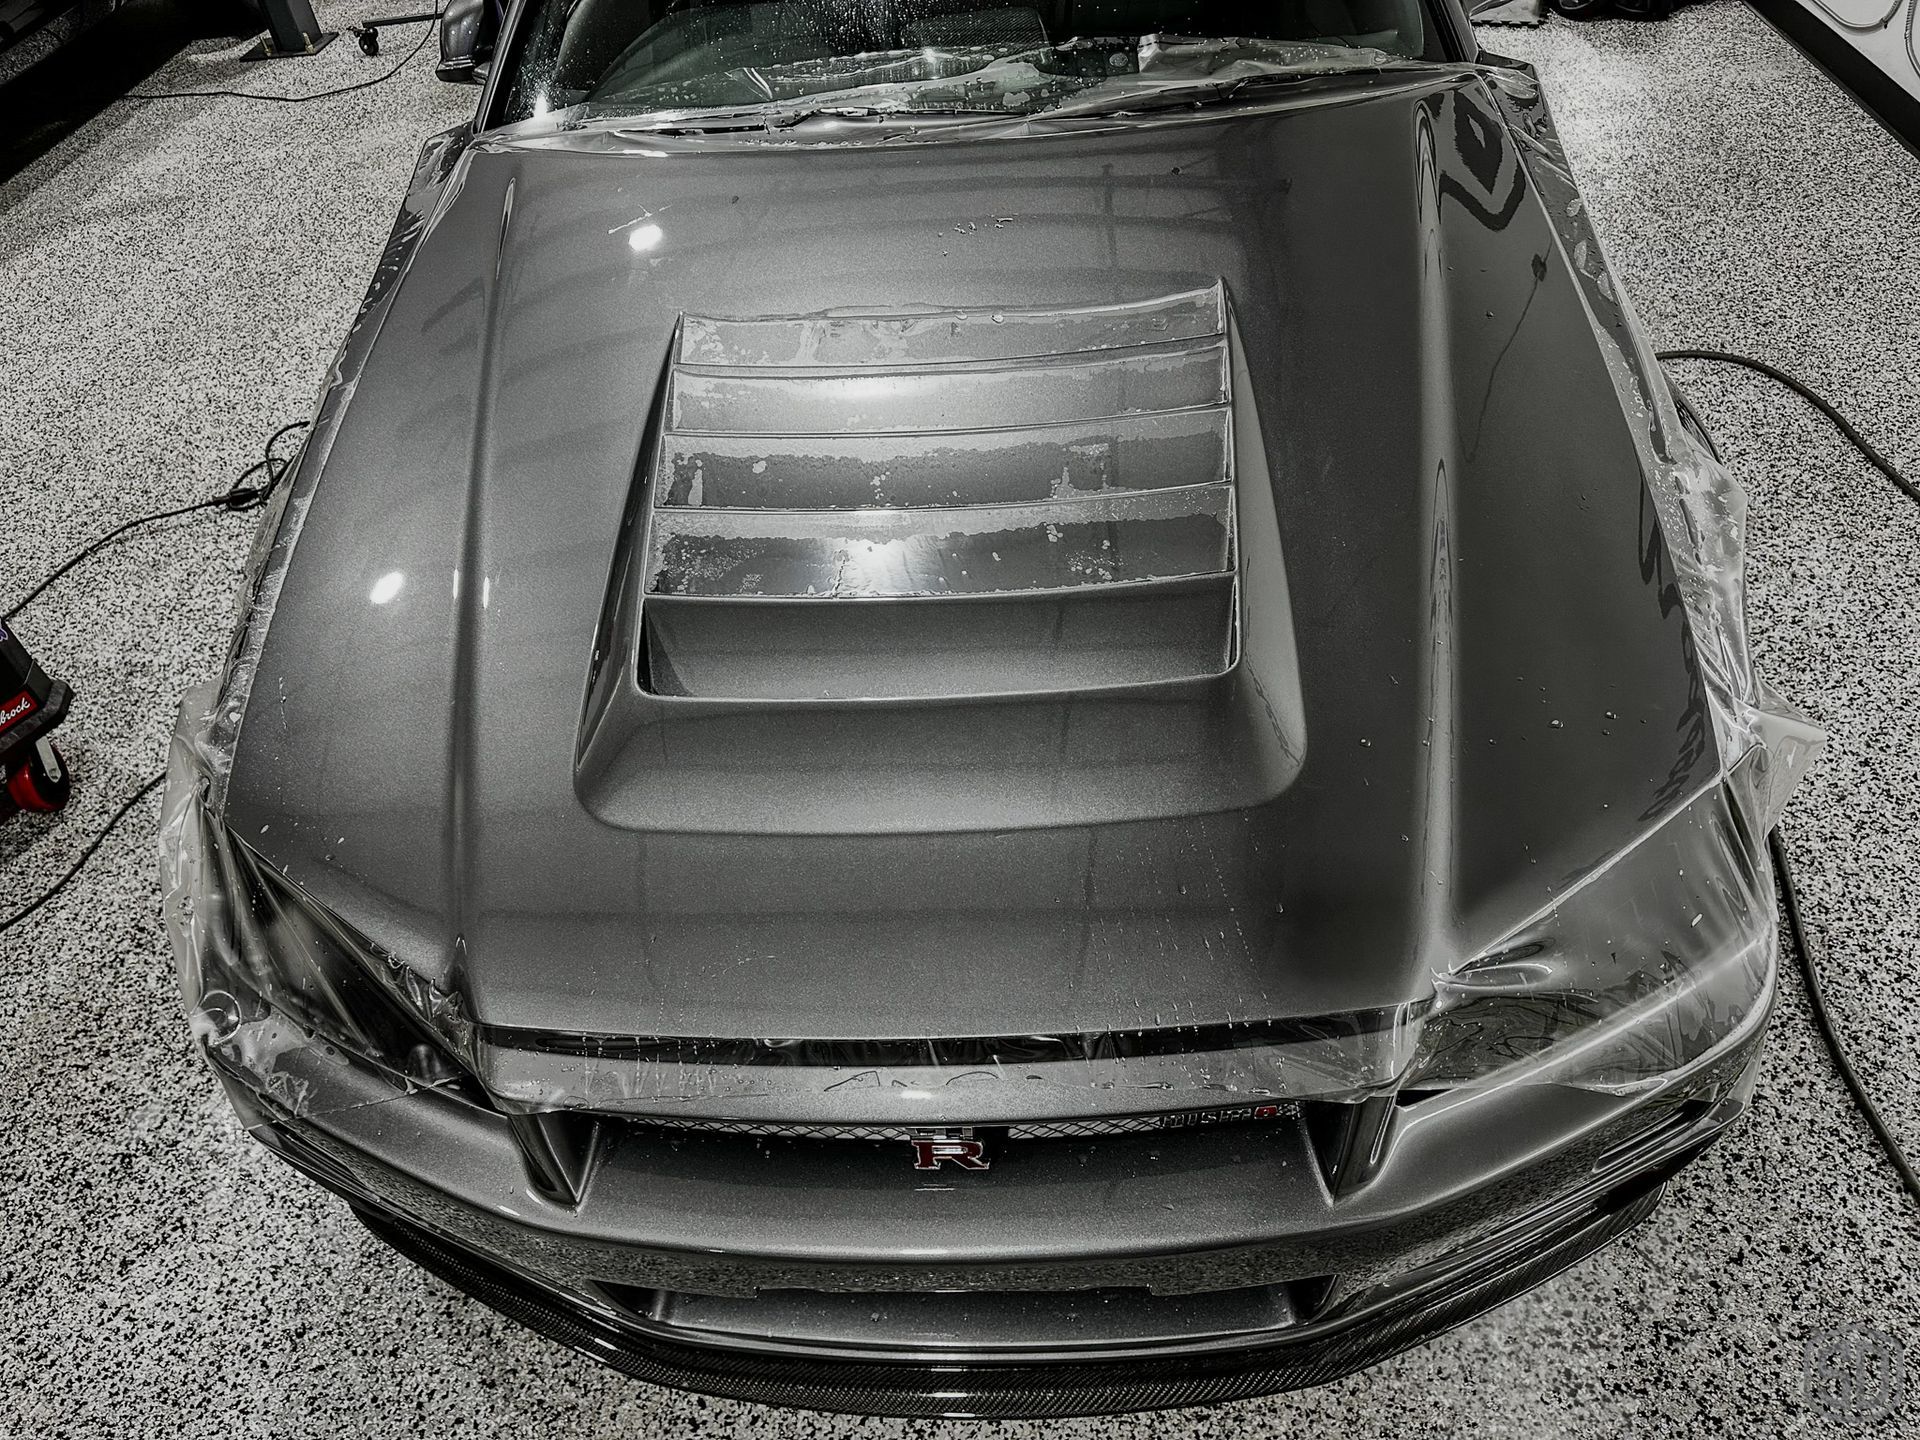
<point>292,30</point>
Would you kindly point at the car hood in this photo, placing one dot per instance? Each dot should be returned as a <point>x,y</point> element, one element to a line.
<point>1479,683</point>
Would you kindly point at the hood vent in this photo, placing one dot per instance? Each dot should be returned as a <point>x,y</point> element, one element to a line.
<point>942,504</point>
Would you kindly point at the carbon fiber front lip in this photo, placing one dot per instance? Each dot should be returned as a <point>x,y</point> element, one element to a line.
<point>1024,1390</point>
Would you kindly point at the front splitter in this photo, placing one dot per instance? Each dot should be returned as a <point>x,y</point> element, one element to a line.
<point>1016,1390</point>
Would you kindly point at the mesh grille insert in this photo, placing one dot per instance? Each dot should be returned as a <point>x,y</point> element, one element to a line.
<point>1262,1112</point>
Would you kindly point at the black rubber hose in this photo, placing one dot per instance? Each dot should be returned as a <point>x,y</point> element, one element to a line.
<point>85,855</point>
<point>1819,402</point>
<point>1776,841</point>
<point>1823,1019</point>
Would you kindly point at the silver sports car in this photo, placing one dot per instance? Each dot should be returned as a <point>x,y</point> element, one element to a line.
<point>998,709</point>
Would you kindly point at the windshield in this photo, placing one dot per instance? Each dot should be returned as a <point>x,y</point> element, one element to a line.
<point>765,61</point>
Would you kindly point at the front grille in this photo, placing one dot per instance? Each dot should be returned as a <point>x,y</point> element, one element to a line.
<point>1265,1113</point>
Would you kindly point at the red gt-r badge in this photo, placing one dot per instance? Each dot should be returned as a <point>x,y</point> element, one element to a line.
<point>932,1150</point>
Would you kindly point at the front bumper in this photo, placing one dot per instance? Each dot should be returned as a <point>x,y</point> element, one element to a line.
<point>1081,1276</point>
<point>934,1386</point>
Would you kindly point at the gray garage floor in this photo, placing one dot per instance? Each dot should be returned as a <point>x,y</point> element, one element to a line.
<point>174,276</point>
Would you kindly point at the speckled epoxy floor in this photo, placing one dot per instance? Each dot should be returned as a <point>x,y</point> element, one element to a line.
<point>172,280</point>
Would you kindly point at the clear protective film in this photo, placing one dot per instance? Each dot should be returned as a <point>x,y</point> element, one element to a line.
<point>1665,954</point>
<point>248,998</point>
<point>762,594</point>
<point>276,991</point>
<point>1768,743</point>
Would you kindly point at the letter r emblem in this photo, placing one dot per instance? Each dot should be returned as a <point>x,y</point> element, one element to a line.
<point>930,1151</point>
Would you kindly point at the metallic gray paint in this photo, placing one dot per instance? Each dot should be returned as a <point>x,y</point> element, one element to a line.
<point>1485,687</point>
<point>1497,688</point>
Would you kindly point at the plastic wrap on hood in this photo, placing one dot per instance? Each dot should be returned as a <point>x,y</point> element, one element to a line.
<point>276,990</point>
<point>1657,960</point>
<point>434,182</point>
<point>258,1030</point>
<point>1702,509</point>
<point>1666,955</point>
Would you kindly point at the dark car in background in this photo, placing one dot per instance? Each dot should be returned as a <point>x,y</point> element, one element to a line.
<point>989,709</point>
<point>31,30</point>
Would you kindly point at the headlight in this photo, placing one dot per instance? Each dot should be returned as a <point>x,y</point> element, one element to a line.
<point>1645,967</point>
<point>258,959</point>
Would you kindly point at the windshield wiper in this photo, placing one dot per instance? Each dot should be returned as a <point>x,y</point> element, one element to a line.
<point>1186,71</point>
<point>785,117</point>
<point>1161,94</point>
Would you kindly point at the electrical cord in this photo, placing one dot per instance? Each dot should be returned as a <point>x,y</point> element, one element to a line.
<point>1819,402</point>
<point>1776,839</point>
<point>399,65</point>
<point>239,496</point>
<point>94,844</point>
<point>1823,1020</point>
<point>1857,26</point>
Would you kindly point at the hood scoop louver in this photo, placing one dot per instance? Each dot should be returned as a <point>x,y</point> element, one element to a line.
<point>942,505</point>
<point>947,571</point>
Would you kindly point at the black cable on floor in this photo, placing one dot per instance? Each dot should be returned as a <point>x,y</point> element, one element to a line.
<point>238,496</point>
<point>405,61</point>
<point>1819,402</point>
<point>85,855</point>
<point>1776,841</point>
<point>1823,1020</point>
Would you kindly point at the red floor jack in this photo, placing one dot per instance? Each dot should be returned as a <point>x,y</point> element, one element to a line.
<point>33,773</point>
